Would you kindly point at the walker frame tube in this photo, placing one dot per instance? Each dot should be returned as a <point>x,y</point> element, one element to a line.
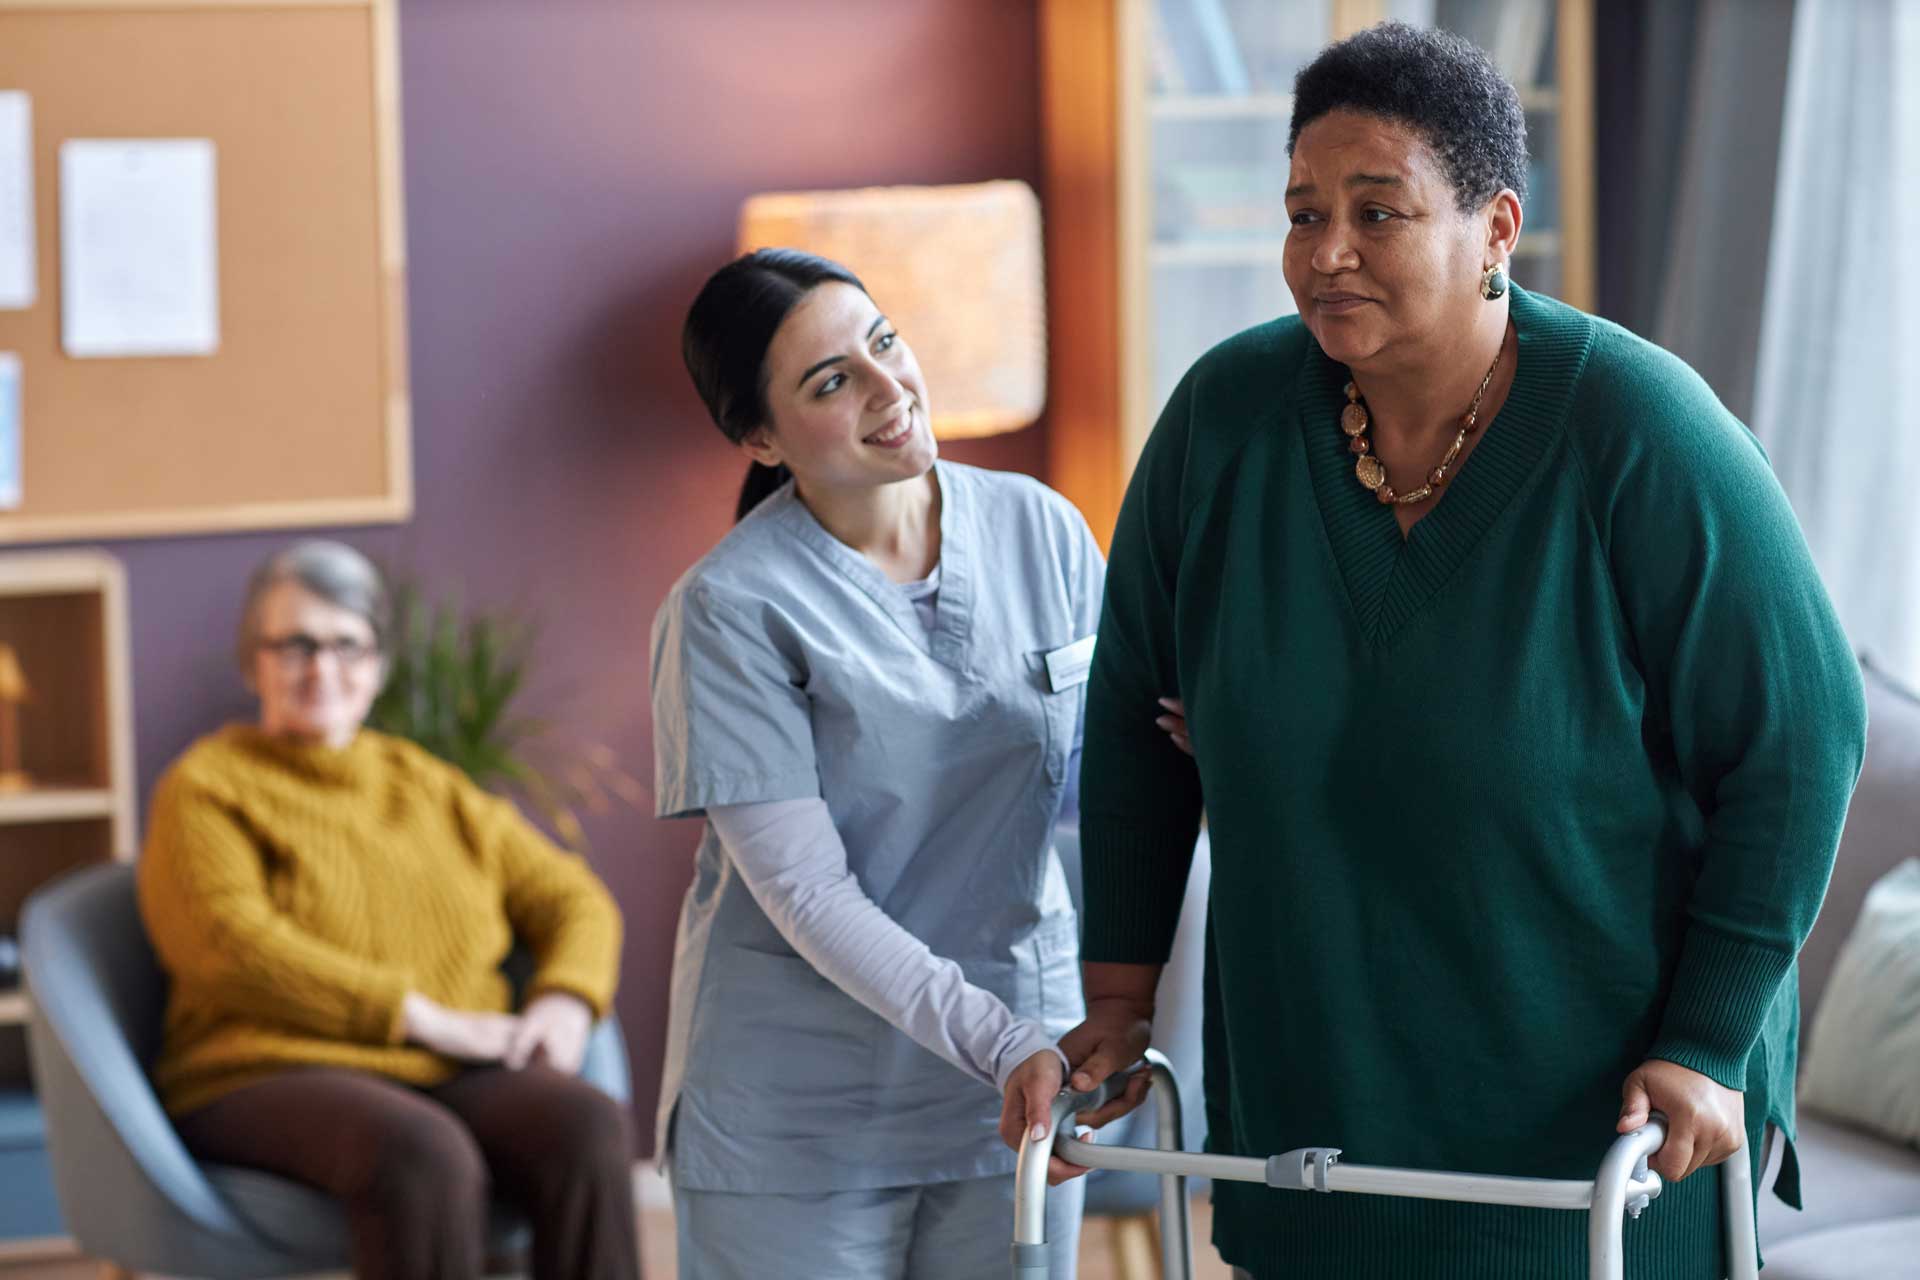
<point>1622,1188</point>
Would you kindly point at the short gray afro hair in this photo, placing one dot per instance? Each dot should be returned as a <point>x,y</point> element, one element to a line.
<point>1435,83</point>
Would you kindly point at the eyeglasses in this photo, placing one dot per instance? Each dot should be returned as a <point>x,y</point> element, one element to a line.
<point>299,649</point>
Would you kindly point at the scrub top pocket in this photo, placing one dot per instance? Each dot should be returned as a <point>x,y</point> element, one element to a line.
<point>1056,974</point>
<point>1062,713</point>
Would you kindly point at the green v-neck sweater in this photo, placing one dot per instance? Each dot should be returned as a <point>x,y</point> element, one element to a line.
<point>1497,811</point>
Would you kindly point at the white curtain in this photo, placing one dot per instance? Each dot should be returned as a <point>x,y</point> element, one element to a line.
<point>1837,396</point>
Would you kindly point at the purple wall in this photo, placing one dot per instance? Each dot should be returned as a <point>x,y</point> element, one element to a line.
<point>574,168</point>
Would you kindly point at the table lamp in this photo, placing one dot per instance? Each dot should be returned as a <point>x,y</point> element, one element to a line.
<point>958,269</point>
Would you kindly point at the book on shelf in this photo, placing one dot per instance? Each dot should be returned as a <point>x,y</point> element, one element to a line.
<point>1192,48</point>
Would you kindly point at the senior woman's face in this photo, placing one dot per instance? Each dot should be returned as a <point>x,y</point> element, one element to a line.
<point>316,666</point>
<point>1378,256</point>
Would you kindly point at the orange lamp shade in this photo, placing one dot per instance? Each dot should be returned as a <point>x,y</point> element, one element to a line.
<point>957,269</point>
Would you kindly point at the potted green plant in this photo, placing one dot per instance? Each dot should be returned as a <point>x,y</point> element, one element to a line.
<point>452,687</point>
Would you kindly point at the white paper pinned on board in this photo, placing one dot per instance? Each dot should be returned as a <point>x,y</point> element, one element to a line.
<point>9,430</point>
<point>19,268</point>
<point>139,250</point>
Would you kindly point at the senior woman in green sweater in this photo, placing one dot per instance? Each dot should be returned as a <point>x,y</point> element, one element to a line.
<point>1523,724</point>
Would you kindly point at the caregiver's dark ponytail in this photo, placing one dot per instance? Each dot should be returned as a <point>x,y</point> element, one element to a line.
<point>724,343</point>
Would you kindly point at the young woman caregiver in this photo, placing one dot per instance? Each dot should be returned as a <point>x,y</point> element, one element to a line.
<point>871,689</point>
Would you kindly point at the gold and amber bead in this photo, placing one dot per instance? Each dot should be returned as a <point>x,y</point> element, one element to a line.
<point>1357,445</point>
<point>1353,392</point>
<point>1353,419</point>
<point>1437,477</point>
<point>1385,494</point>
<point>1371,473</point>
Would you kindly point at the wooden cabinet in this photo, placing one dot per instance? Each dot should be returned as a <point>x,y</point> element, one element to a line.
<point>1166,126</point>
<point>63,617</point>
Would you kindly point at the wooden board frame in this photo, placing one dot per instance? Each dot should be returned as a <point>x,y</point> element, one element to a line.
<point>339,459</point>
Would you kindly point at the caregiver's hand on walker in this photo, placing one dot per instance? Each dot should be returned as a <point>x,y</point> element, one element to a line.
<point>1028,1108</point>
<point>1117,1030</point>
<point>1115,1034</point>
<point>1706,1121</point>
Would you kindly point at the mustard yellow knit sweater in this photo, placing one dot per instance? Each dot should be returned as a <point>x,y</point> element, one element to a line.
<point>295,893</point>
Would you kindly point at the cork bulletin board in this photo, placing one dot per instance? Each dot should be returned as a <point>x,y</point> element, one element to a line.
<point>300,415</point>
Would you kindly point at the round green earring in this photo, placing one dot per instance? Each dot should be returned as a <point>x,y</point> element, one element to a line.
<point>1493,282</point>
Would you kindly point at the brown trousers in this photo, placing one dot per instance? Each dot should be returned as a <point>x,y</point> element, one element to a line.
<point>416,1168</point>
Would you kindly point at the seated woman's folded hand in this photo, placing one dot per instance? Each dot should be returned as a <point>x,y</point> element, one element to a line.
<point>552,1029</point>
<point>457,1033</point>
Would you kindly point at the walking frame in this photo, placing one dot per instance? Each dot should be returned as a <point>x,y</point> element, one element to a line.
<point>1622,1188</point>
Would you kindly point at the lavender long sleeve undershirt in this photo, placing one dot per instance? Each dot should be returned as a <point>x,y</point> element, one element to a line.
<point>793,862</point>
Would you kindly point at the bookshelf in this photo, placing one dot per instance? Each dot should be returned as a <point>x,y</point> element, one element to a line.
<point>68,804</point>
<point>1166,166</point>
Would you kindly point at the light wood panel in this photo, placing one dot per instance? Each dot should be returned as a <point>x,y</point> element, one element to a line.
<point>1578,200</point>
<point>1080,108</point>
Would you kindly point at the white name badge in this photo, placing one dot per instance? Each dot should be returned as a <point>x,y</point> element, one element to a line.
<point>1069,666</point>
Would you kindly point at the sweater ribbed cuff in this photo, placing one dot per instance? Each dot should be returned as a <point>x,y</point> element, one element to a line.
<point>1134,877</point>
<point>379,1017</point>
<point>1718,1003</point>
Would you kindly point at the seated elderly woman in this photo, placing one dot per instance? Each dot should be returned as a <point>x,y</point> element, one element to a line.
<point>333,906</point>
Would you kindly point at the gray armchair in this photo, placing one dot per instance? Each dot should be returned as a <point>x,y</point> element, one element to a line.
<point>129,1190</point>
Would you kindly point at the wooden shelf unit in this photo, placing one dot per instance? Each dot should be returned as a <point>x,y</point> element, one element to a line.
<point>52,804</point>
<point>64,613</point>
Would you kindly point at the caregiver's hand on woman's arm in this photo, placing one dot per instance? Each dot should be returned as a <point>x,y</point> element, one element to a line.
<point>1706,1121</point>
<point>1174,723</point>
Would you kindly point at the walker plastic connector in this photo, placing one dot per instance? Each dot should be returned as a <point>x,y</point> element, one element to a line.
<point>1303,1169</point>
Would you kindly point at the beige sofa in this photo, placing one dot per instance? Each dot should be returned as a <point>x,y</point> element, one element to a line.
<point>1862,1191</point>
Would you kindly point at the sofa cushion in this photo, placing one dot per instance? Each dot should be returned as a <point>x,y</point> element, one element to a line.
<point>1863,1056</point>
<point>1888,1248</point>
<point>1848,1177</point>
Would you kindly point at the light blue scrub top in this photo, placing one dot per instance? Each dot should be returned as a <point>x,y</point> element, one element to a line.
<point>787,666</point>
